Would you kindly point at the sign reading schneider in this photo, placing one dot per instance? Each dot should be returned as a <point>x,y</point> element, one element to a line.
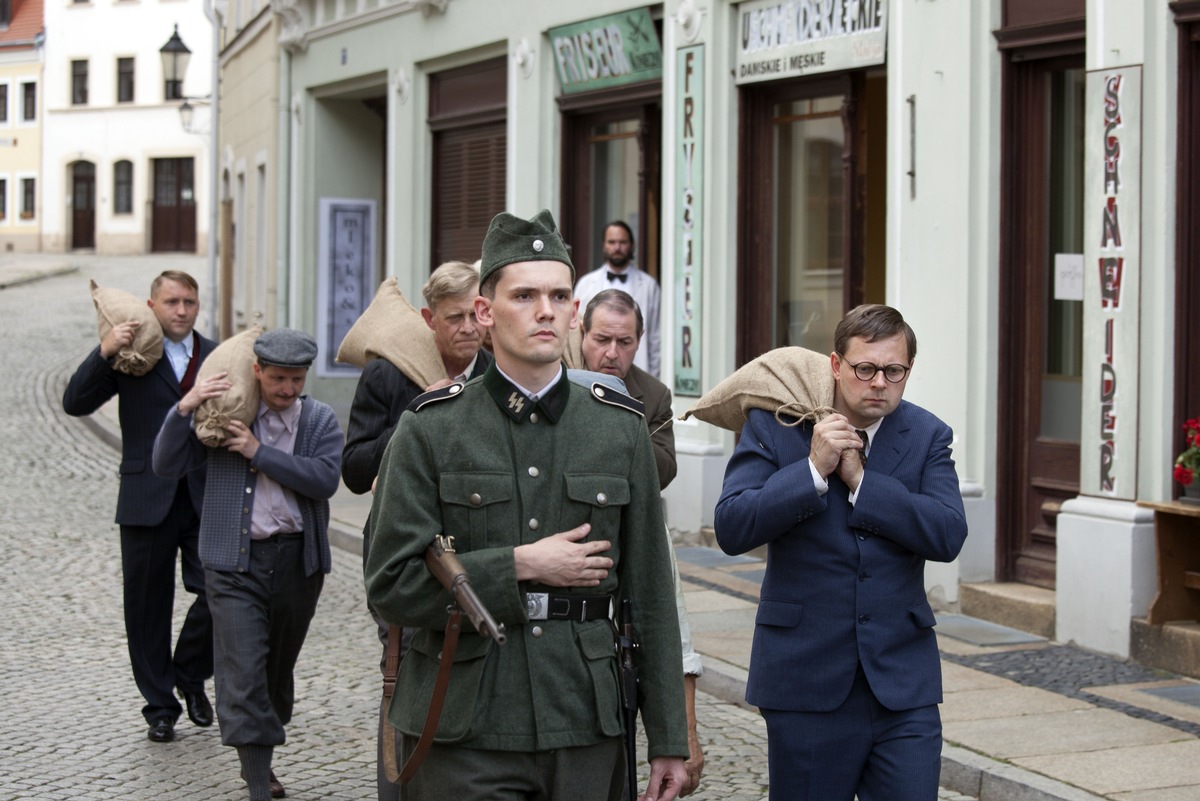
<point>801,37</point>
<point>607,51</point>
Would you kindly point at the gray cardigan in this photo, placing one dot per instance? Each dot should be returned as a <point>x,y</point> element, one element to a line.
<point>311,471</point>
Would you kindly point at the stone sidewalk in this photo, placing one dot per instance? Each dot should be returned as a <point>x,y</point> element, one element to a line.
<point>1025,719</point>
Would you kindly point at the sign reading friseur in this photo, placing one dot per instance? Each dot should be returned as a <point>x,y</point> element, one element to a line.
<point>607,51</point>
<point>789,38</point>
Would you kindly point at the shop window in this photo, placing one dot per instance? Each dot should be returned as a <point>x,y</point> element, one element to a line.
<point>3,103</point>
<point>3,199</point>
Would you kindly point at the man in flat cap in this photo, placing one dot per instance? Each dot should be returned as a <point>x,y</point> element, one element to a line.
<point>263,540</point>
<point>550,491</point>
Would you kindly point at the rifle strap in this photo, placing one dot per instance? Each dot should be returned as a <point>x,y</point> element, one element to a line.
<point>433,716</point>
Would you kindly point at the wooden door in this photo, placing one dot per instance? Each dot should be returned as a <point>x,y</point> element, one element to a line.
<point>1041,334</point>
<point>174,212</point>
<point>83,205</point>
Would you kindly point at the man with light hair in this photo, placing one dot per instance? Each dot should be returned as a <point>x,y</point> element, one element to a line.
<point>384,393</point>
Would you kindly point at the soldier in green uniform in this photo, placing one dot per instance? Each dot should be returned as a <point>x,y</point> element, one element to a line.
<point>550,491</point>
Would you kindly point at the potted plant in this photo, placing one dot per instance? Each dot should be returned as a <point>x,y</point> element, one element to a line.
<point>1187,464</point>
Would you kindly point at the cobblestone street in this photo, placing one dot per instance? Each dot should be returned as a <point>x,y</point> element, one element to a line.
<point>72,727</point>
<point>71,712</point>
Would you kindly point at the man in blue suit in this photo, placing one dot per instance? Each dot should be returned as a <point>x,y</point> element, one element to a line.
<point>844,666</point>
<point>158,517</point>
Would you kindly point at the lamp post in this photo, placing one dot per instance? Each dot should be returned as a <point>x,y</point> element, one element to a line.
<point>175,56</point>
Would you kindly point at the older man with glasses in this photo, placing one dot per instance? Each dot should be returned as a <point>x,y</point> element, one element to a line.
<point>845,664</point>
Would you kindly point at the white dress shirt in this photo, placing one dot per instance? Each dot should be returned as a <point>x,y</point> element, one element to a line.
<point>645,291</point>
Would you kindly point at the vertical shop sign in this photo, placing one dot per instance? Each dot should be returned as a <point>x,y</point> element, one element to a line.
<point>346,275</point>
<point>1112,282</point>
<point>689,216</point>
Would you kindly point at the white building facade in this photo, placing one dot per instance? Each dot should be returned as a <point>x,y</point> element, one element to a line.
<point>781,161</point>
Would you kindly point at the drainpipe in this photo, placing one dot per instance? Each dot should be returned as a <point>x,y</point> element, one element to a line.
<point>214,17</point>
<point>283,231</point>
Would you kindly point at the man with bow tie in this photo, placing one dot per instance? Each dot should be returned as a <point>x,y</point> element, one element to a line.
<point>620,272</point>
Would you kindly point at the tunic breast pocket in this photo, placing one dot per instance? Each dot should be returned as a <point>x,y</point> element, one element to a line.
<point>599,500</point>
<point>474,502</point>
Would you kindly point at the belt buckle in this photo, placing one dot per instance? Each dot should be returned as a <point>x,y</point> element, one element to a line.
<point>537,605</point>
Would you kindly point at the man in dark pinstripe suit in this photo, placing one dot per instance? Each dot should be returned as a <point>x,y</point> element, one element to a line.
<point>158,517</point>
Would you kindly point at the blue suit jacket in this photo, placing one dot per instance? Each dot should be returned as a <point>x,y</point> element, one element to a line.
<point>844,584</point>
<point>144,498</point>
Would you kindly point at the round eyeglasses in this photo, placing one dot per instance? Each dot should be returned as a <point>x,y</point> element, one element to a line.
<point>865,371</point>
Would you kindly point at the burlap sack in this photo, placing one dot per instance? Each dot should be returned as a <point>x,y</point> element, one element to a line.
<point>115,306</point>
<point>392,329</point>
<point>234,356</point>
<point>793,381</point>
<point>573,355</point>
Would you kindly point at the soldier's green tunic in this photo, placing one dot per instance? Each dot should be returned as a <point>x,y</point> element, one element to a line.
<point>495,470</point>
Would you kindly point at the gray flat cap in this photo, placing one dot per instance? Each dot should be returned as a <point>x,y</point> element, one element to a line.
<point>285,347</point>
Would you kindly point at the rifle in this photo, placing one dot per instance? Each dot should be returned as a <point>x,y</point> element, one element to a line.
<point>626,645</point>
<point>445,567</point>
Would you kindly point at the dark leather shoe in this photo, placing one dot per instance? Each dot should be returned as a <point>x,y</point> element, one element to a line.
<point>161,731</point>
<point>276,786</point>
<point>273,785</point>
<point>199,710</point>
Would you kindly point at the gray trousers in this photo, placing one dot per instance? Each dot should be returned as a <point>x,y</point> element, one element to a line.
<point>260,620</point>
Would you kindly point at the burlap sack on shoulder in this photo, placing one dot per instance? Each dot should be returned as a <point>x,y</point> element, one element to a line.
<point>793,381</point>
<point>234,356</point>
<point>392,329</point>
<point>114,306</point>
<point>573,355</point>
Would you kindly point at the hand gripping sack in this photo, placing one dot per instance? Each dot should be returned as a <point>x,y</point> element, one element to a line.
<point>114,306</point>
<point>234,356</point>
<point>392,329</point>
<point>794,381</point>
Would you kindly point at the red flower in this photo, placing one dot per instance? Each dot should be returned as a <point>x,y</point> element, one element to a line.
<point>1196,441</point>
<point>1183,475</point>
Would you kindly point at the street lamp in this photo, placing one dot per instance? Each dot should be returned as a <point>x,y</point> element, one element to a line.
<point>175,56</point>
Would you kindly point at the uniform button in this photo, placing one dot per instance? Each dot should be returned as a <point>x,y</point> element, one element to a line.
<point>243,550</point>
<point>536,631</point>
<point>533,418</point>
<point>247,490</point>
<point>864,618</point>
<point>599,392</point>
<point>455,389</point>
<point>601,498</point>
<point>245,510</point>
<point>533,524</point>
<point>863,576</point>
<point>476,500</point>
<point>245,531</point>
<point>533,471</point>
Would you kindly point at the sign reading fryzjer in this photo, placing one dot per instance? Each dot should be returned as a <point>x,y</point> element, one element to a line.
<point>1112,249</point>
<point>607,51</point>
<point>789,38</point>
<point>689,215</point>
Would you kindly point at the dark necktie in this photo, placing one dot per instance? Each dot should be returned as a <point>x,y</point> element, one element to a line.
<point>617,276</point>
<point>866,441</point>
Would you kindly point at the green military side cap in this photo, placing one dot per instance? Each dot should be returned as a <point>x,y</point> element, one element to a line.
<point>510,240</point>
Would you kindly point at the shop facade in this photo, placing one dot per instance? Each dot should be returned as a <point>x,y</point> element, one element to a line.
<point>781,161</point>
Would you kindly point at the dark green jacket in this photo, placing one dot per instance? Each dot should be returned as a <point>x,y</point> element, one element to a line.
<point>494,470</point>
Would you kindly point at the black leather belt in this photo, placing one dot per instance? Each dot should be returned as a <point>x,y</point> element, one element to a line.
<point>550,606</point>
